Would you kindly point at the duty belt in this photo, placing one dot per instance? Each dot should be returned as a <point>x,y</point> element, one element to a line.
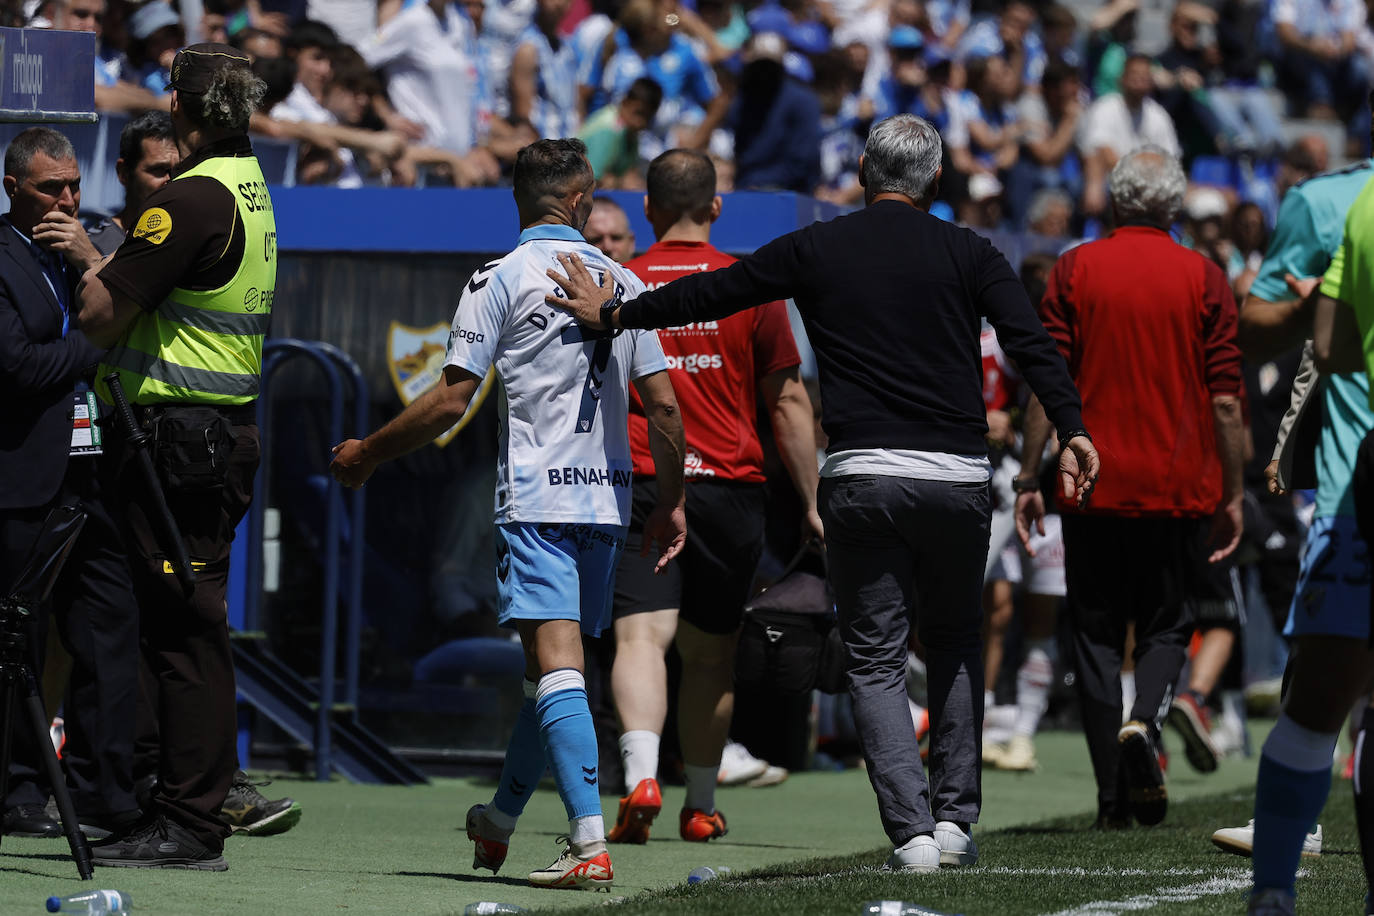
<point>236,414</point>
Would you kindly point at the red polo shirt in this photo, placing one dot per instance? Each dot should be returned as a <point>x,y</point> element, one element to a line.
<point>1148,329</point>
<point>715,367</point>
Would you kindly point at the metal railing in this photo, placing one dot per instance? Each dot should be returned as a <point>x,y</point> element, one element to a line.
<point>344,378</point>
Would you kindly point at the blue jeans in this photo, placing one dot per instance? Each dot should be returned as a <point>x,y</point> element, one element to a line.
<point>1246,115</point>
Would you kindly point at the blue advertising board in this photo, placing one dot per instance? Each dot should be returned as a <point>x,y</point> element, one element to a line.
<point>484,220</point>
<point>47,76</point>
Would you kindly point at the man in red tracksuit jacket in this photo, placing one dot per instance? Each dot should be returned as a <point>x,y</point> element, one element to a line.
<point>718,369</point>
<point>1148,328</point>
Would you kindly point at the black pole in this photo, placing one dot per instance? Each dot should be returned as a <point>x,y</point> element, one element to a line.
<point>38,721</point>
<point>161,515</point>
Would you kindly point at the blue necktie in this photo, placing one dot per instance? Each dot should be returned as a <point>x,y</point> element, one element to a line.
<point>52,266</point>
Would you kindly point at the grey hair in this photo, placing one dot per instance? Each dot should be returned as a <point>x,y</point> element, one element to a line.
<point>1147,185</point>
<point>902,156</point>
<point>1045,198</point>
<point>27,143</point>
<point>229,101</point>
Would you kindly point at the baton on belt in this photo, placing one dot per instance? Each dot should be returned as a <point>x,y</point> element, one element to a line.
<point>163,522</point>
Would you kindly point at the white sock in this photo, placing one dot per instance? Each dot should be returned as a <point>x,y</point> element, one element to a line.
<point>586,831</point>
<point>1033,681</point>
<point>989,699</point>
<point>1127,694</point>
<point>639,753</point>
<point>701,787</point>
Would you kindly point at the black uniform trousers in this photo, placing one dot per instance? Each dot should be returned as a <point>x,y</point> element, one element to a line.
<point>1120,570</point>
<point>97,620</point>
<point>185,641</point>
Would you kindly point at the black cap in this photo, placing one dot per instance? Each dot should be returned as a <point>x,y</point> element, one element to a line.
<point>193,67</point>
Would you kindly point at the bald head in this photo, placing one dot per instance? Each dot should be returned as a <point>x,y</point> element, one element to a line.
<point>608,228</point>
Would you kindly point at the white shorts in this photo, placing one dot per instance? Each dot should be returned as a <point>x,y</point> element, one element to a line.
<point>1046,567</point>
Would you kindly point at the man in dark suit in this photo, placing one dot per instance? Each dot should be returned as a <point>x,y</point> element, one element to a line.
<point>45,363</point>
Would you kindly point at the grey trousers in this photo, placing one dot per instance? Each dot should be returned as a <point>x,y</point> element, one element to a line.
<point>907,552</point>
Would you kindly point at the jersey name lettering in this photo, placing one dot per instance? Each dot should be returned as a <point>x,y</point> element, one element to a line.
<point>594,477</point>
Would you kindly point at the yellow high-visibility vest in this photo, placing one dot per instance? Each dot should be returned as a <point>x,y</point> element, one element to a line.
<point>205,346</point>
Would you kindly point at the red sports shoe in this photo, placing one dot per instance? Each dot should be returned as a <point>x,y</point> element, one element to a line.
<point>696,826</point>
<point>490,845</point>
<point>637,813</point>
<point>1194,725</point>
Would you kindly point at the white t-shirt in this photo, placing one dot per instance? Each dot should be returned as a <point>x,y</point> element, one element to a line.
<point>352,20</point>
<point>428,76</point>
<point>300,105</point>
<point>1108,122</point>
<point>564,452</point>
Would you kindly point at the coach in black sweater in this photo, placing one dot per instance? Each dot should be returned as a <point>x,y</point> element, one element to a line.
<point>892,299</point>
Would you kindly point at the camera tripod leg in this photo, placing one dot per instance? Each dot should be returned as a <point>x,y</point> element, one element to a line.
<point>38,720</point>
<point>7,696</point>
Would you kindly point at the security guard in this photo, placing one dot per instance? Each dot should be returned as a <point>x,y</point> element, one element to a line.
<point>184,305</point>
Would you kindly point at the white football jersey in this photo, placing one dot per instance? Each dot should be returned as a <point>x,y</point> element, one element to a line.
<point>564,451</point>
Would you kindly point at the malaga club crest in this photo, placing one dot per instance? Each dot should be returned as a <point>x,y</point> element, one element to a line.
<point>415,358</point>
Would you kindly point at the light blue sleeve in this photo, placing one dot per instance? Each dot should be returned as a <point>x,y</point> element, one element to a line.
<point>479,321</point>
<point>648,357</point>
<point>1296,248</point>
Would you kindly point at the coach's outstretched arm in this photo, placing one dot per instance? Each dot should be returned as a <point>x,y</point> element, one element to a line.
<point>419,424</point>
<point>763,276</point>
<point>667,523</point>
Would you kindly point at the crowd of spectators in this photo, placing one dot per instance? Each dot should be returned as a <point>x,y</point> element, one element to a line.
<point>1035,101</point>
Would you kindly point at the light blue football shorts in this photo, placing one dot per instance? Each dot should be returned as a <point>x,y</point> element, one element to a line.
<point>1332,598</point>
<point>558,571</point>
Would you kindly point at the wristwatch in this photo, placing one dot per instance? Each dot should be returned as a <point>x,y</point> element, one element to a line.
<point>608,313</point>
<point>1020,484</point>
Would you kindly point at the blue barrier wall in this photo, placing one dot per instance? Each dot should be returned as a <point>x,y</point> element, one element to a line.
<point>449,220</point>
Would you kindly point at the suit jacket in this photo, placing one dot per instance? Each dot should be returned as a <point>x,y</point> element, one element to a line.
<point>38,370</point>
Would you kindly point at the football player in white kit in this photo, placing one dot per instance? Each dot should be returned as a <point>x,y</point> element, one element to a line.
<point>562,493</point>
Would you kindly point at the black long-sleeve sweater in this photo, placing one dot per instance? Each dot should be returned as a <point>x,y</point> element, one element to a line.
<point>891,298</point>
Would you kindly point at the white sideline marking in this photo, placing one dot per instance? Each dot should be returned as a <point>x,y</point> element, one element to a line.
<point>1232,880</point>
<point>1079,872</point>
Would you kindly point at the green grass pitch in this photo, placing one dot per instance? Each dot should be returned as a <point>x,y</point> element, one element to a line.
<point>808,846</point>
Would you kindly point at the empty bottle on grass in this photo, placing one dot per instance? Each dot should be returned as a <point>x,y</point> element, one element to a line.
<point>492,908</point>
<point>706,873</point>
<point>92,903</point>
<point>899,908</point>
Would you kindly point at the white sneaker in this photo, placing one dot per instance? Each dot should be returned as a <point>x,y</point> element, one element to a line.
<point>1017,756</point>
<point>998,722</point>
<point>956,845</point>
<point>920,855</point>
<point>771,776</point>
<point>1228,736</point>
<point>1271,902</point>
<point>588,871</point>
<point>738,766</point>
<point>1241,840</point>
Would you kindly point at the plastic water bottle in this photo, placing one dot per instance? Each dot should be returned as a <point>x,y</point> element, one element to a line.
<point>492,908</point>
<point>92,903</point>
<point>899,908</point>
<point>706,873</point>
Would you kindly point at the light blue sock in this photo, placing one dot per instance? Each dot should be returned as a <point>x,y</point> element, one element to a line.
<point>565,725</point>
<point>524,765</point>
<point>1294,780</point>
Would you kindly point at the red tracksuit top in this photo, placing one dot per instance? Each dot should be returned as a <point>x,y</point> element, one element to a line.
<point>1148,329</point>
